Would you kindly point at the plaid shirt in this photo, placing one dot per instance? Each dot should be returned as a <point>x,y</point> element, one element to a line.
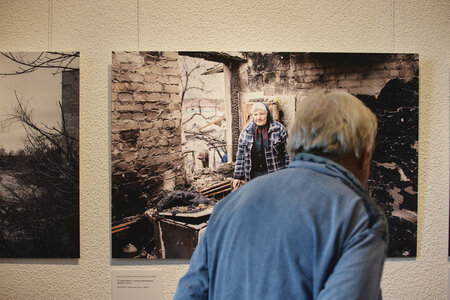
<point>276,156</point>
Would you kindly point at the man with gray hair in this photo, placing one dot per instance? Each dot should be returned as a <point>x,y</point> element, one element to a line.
<point>310,231</point>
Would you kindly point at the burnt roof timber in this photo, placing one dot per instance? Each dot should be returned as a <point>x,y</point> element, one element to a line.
<point>223,57</point>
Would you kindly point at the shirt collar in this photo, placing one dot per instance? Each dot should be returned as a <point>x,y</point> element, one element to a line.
<point>325,166</point>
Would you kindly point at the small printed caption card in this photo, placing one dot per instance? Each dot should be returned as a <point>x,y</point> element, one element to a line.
<point>136,284</point>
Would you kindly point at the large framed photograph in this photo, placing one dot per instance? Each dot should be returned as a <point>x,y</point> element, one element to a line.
<point>176,119</point>
<point>39,154</point>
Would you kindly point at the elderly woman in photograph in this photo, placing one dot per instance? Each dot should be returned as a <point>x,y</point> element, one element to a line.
<point>262,146</point>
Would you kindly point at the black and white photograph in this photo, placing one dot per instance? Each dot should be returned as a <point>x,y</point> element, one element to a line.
<point>176,120</point>
<point>39,155</point>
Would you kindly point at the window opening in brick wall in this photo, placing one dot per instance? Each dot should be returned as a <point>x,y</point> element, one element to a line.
<point>203,113</point>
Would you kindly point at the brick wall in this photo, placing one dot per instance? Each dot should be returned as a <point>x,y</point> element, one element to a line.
<point>146,129</point>
<point>70,83</point>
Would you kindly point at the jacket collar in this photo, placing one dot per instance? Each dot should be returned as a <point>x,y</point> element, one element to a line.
<point>272,126</point>
<point>325,166</point>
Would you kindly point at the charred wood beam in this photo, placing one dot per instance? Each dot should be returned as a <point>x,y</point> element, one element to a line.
<point>223,57</point>
<point>122,227</point>
<point>223,187</point>
<point>235,127</point>
<point>211,123</point>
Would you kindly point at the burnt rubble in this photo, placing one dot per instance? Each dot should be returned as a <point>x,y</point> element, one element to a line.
<point>206,178</point>
<point>183,201</point>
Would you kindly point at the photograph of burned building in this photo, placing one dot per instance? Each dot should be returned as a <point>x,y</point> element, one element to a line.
<point>39,155</point>
<point>176,119</point>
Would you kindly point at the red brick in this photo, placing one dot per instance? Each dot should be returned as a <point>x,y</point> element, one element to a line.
<point>379,74</point>
<point>127,67</point>
<point>152,78</point>
<point>151,87</point>
<point>143,153</point>
<point>144,125</point>
<point>306,66</point>
<point>130,77</point>
<point>173,106</point>
<point>407,73</point>
<point>169,79</point>
<point>170,55</point>
<point>116,156</point>
<point>163,142</point>
<point>139,116</point>
<point>171,124</point>
<point>351,76</point>
<point>365,90</point>
<point>126,116</point>
<point>124,97</point>
<point>175,98</point>
<point>158,106</point>
<point>394,73</point>
<point>149,144</point>
<point>374,82</point>
<point>121,166</point>
<point>120,86</point>
<point>158,124</point>
<point>311,78</point>
<point>348,83</point>
<point>170,64</point>
<point>173,89</point>
<point>129,156</point>
<point>171,71</point>
<point>313,72</point>
<point>155,70</point>
<point>150,97</point>
<point>175,140</point>
<point>126,125</point>
<point>115,137</point>
<point>128,57</point>
<point>127,107</point>
<point>389,65</point>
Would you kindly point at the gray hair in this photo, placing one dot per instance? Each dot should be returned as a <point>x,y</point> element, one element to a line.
<point>332,124</point>
<point>258,106</point>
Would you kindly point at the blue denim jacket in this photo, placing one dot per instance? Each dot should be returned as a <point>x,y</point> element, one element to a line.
<point>277,157</point>
<point>310,231</point>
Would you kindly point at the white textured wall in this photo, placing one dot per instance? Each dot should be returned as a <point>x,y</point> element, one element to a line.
<point>98,27</point>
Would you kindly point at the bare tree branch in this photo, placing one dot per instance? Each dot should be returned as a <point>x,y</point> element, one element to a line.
<point>59,61</point>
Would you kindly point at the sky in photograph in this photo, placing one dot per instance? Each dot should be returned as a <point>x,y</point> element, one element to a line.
<point>39,90</point>
<point>213,84</point>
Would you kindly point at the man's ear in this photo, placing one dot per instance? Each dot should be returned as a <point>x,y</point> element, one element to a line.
<point>364,165</point>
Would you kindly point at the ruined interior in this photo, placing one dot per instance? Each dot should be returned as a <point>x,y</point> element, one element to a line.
<point>203,122</point>
<point>176,115</point>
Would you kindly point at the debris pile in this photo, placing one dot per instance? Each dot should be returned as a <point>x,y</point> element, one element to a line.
<point>206,178</point>
<point>178,201</point>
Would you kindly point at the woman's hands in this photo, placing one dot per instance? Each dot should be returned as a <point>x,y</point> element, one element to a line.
<point>236,183</point>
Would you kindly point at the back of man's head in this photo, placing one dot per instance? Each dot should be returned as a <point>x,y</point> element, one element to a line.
<point>332,124</point>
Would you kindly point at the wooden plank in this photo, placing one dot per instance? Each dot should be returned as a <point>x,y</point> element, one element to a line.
<point>213,122</point>
<point>120,229</point>
<point>122,226</point>
<point>220,188</point>
<point>221,184</point>
<point>219,192</point>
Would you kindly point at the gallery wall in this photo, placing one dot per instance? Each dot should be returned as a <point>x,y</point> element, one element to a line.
<point>98,28</point>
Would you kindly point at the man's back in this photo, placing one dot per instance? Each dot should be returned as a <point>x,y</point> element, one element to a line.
<point>301,233</point>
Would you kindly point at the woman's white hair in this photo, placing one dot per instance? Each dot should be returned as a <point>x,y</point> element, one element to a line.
<point>258,106</point>
<point>332,124</point>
